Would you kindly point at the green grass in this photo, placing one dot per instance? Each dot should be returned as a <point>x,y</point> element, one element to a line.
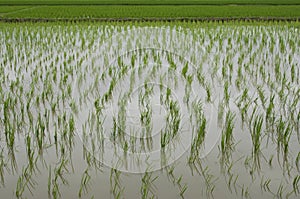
<point>6,9</point>
<point>146,2</point>
<point>53,12</point>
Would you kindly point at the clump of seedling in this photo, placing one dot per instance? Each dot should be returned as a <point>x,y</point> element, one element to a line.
<point>284,132</point>
<point>256,136</point>
<point>227,139</point>
<point>199,131</point>
<point>173,120</point>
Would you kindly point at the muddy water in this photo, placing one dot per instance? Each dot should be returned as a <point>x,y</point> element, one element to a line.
<point>93,82</point>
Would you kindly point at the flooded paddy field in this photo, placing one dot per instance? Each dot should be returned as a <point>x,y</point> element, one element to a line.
<point>150,110</point>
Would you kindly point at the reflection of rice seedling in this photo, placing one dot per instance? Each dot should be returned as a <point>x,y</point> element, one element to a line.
<point>84,183</point>
<point>297,161</point>
<point>115,183</point>
<point>271,160</point>
<point>245,192</point>
<point>25,181</point>
<point>55,189</point>
<point>30,152</point>
<point>296,185</point>
<point>146,115</point>
<point>298,126</point>
<point>280,190</point>
<point>232,182</point>
<point>182,190</point>
<point>148,187</point>
<point>49,182</point>
<point>2,165</point>
<point>265,184</point>
<point>184,70</point>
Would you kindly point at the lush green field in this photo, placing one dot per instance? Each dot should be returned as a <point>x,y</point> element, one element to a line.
<point>163,11</point>
<point>148,9</point>
<point>116,2</point>
<point>6,9</point>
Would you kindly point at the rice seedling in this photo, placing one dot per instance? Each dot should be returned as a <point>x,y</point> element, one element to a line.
<point>199,132</point>
<point>59,172</point>
<point>209,181</point>
<point>298,126</point>
<point>256,135</point>
<point>49,182</point>
<point>271,160</point>
<point>280,190</point>
<point>284,132</point>
<point>232,182</point>
<point>227,139</point>
<point>173,120</point>
<point>226,93</point>
<point>30,154</point>
<point>176,181</point>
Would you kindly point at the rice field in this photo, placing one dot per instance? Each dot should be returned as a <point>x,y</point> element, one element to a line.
<point>150,110</point>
